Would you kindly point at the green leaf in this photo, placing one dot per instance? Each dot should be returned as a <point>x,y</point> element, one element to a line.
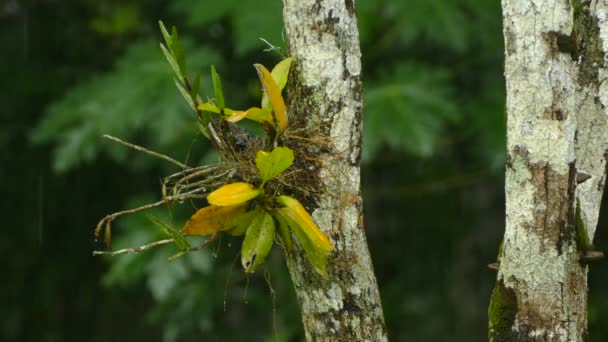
<point>178,52</point>
<point>258,241</point>
<point>179,240</point>
<point>272,164</point>
<point>165,34</point>
<point>280,72</point>
<point>171,60</point>
<point>217,87</point>
<point>177,255</point>
<point>185,94</point>
<point>195,86</point>
<point>208,107</point>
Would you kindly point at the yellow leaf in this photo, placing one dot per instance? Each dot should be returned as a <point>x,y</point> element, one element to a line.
<point>274,93</point>
<point>212,219</point>
<point>259,115</point>
<point>296,212</point>
<point>236,116</point>
<point>253,113</point>
<point>233,194</point>
<point>315,254</point>
<point>279,73</point>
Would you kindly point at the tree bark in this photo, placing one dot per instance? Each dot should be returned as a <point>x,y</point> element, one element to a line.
<point>324,95</point>
<point>557,131</point>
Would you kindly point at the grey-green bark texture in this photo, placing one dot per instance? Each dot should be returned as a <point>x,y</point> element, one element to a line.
<point>555,69</point>
<point>324,95</point>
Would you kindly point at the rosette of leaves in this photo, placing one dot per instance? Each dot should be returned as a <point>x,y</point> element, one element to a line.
<point>243,209</point>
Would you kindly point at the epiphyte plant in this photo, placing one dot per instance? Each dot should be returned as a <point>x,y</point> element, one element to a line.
<point>251,190</point>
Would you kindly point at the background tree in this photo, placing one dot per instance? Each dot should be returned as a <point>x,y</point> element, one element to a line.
<point>557,138</point>
<point>325,97</point>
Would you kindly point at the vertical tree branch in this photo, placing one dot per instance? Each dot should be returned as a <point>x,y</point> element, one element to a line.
<point>324,95</point>
<point>556,143</point>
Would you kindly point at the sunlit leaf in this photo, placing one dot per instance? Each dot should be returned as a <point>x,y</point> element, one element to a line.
<point>279,73</point>
<point>272,164</point>
<point>233,194</point>
<point>208,107</point>
<point>212,219</point>
<point>316,256</point>
<point>259,115</point>
<point>178,238</point>
<point>217,87</point>
<point>296,212</point>
<point>283,229</point>
<point>274,94</point>
<point>253,113</point>
<point>235,115</point>
<point>258,241</point>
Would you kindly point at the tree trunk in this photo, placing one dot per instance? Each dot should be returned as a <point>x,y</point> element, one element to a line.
<point>556,160</point>
<point>324,95</point>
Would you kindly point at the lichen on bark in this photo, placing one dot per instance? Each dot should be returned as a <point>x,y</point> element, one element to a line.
<point>324,96</point>
<point>556,131</point>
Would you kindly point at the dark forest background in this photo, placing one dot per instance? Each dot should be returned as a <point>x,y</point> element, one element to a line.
<point>433,163</point>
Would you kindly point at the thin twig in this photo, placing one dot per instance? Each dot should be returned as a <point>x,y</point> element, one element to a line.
<point>209,240</point>
<point>135,249</point>
<point>166,200</point>
<point>145,150</point>
<point>140,249</point>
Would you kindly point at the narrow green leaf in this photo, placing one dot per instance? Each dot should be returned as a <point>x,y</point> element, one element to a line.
<point>258,241</point>
<point>165,34</point>
<point>195,86</point>
<point>178,52</point>
<point>177,255</point>
<point>217,88</point>
<point>204,120</point>
<point>272,164</point>
<point>185,94</point>
<point>171,60</point>
<point>179,240</point>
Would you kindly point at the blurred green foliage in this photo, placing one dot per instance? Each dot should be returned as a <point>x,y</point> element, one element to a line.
<point>432,178</point>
